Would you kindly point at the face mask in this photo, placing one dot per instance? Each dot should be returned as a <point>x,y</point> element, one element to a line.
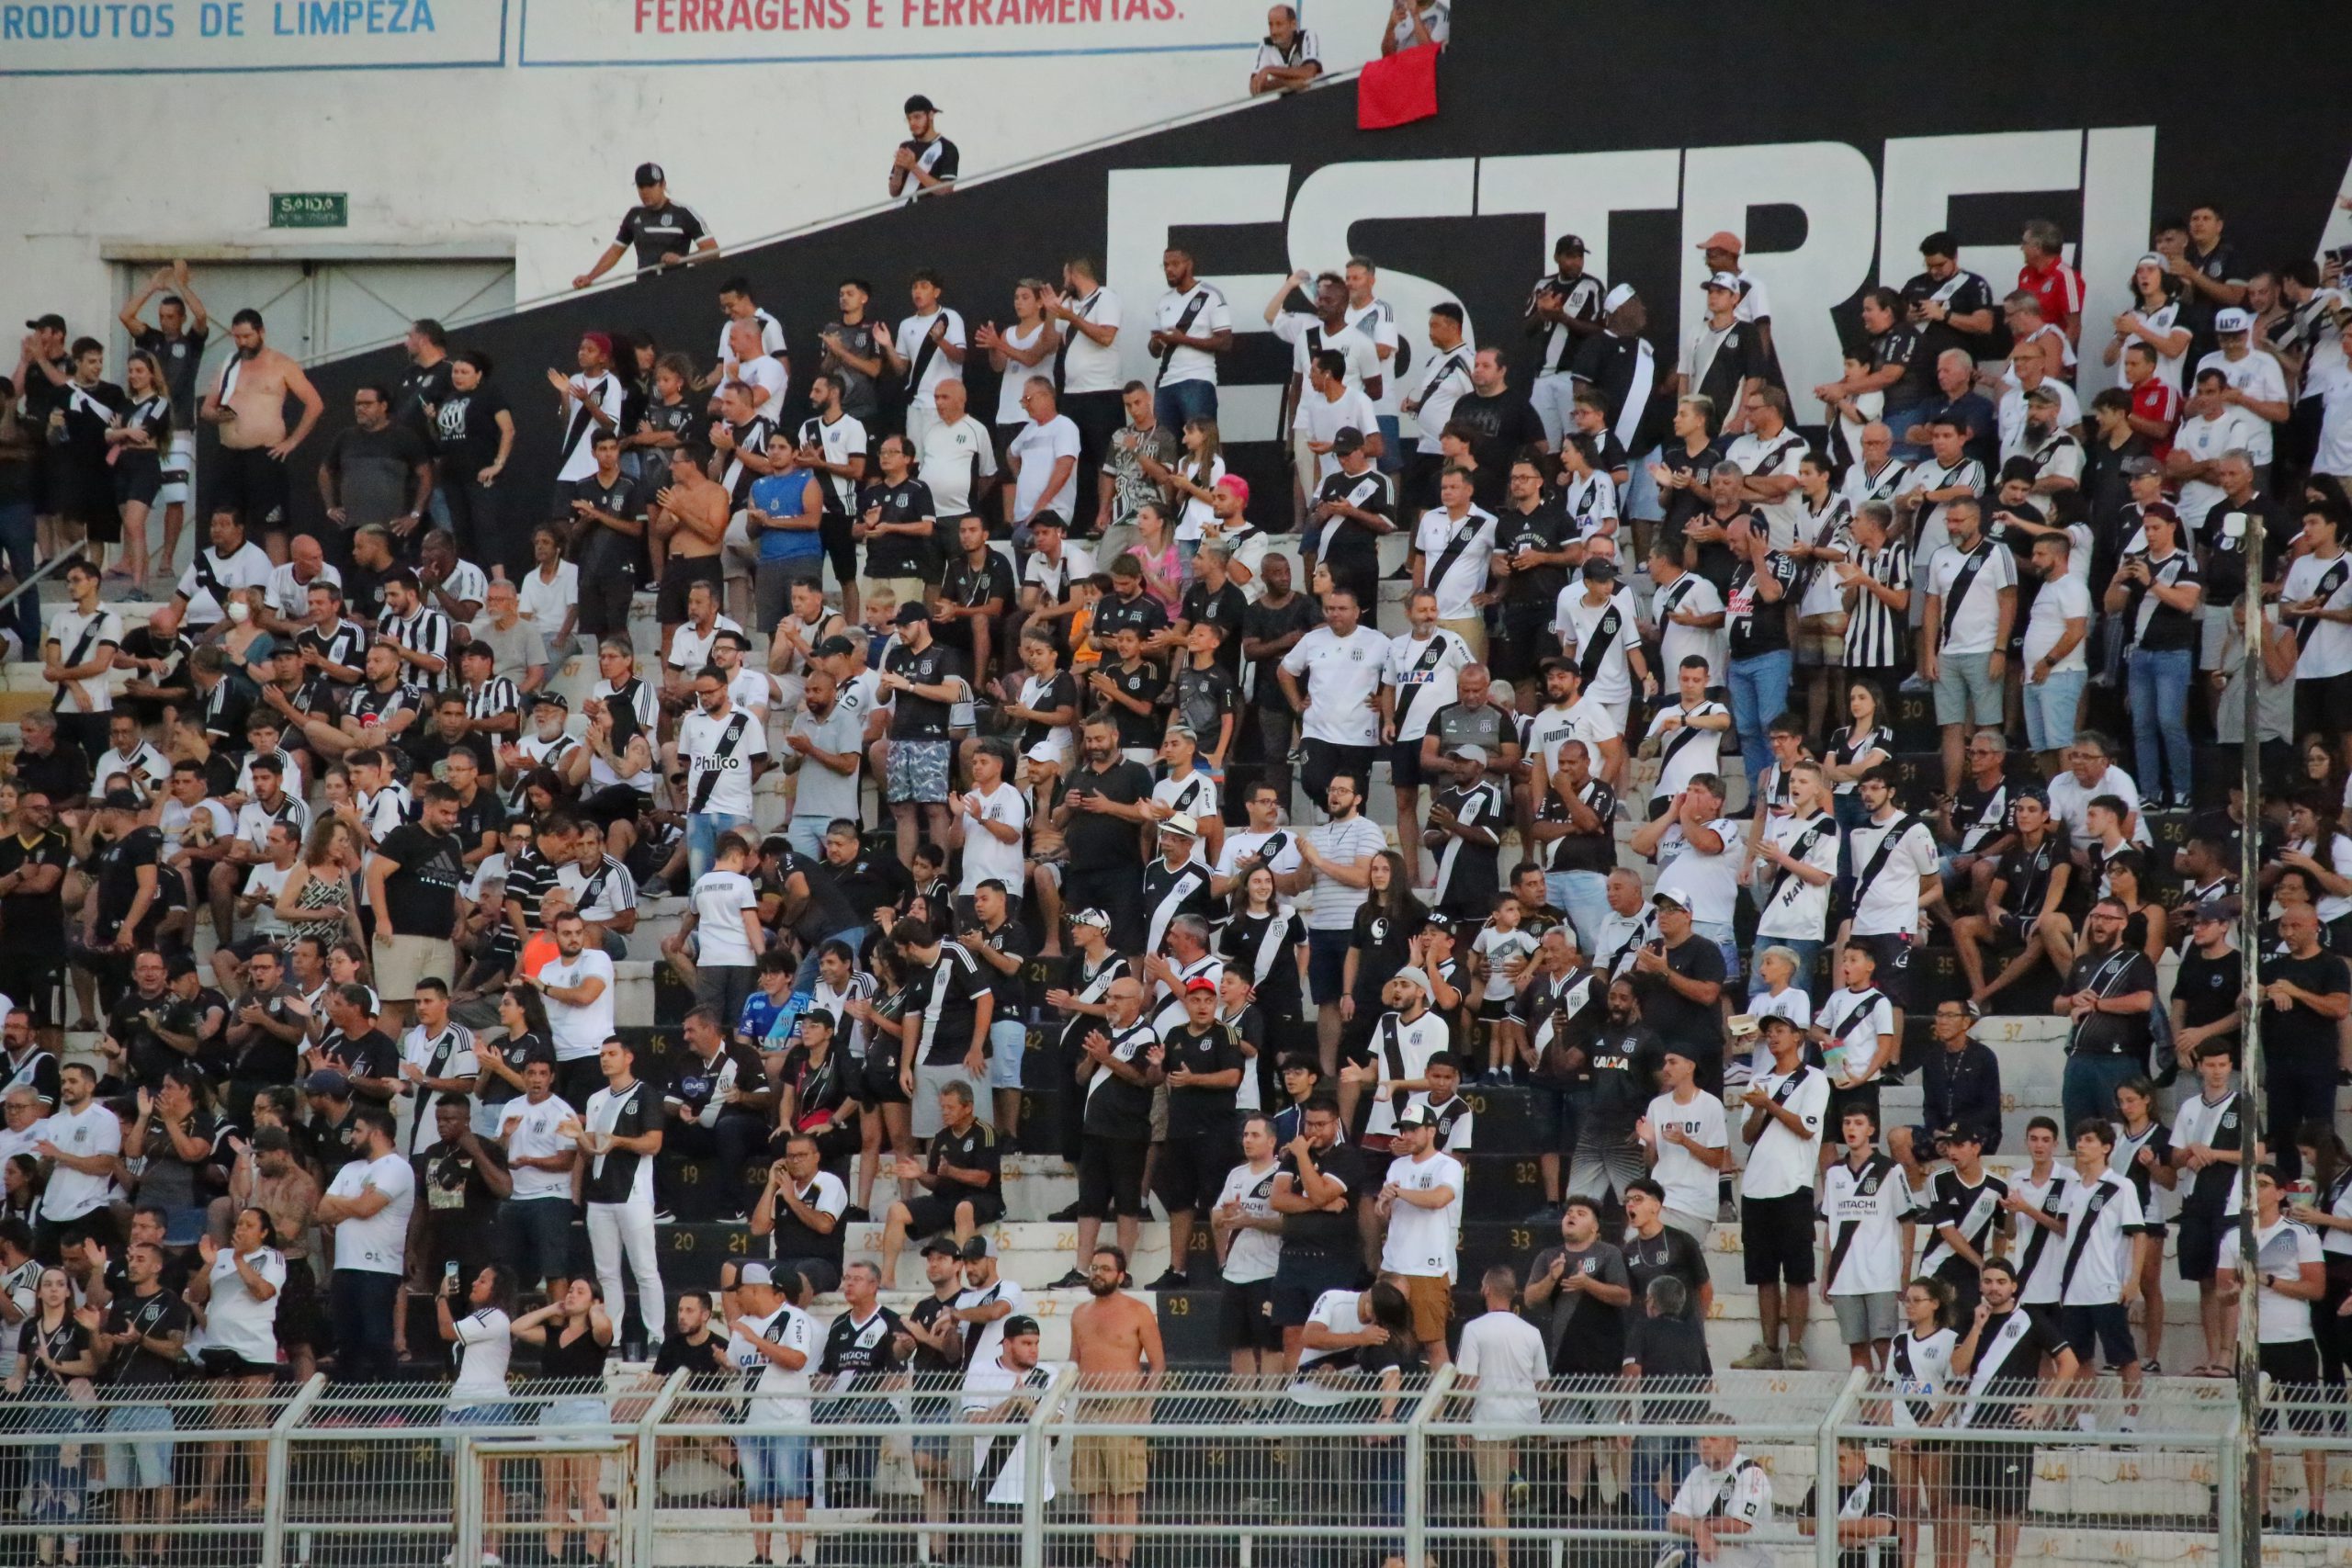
<point>239,612</point>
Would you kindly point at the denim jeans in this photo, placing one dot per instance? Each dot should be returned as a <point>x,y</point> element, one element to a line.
<point>1759,693</point>
<point>703,831</point>
<point>1175,403</point>
<point>361,1304</point>
<point>804,983</point>
<point>1583,897</point>
<point>2159,688</point>
<point>2090,1084</point>
<point>1727,943</point>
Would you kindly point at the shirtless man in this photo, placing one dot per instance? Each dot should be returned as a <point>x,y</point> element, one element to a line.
<point>249,405</point>
<point>1114,1338</point>
<point>691,516</point>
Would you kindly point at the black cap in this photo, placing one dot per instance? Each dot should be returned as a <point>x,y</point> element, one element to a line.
<point>1348,439</point>
<point>650,174</point>
<point>547,697</point>
<point>50,322</point>
<point>1021,1325</point>
<point>1599,568</point>
<point>834,648</point>
<point>1569,245</point>
<point>944,1246</point>
<point>911,613</point>
<point>921,105</point>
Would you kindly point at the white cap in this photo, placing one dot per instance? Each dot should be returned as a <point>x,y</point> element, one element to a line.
<point>2234,320</point>
<point>1416,977</point>
<point>1617,297</point>
<point>1722,281</point>
<point>1182,822</point>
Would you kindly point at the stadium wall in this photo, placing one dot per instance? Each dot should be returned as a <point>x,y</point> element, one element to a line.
<point>1834,146</point>
<point>506,130</point>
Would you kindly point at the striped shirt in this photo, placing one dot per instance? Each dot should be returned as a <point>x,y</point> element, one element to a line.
<point>494,698</point>
<point>1874,629</point>
<point>425,631</point>
<point>601,894</point>
<point>529,876</point>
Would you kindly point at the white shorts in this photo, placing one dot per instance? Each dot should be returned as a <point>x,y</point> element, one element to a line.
<point>179,471</point>
<point>737,552</point>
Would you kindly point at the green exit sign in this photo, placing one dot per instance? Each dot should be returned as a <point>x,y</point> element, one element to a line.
<point>309,209</point>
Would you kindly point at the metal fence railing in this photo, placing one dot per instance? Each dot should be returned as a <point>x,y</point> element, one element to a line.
<point>1196,1471</point>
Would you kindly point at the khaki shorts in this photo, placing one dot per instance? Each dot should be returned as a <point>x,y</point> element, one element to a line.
<point>1432,1299</point>
<point>1113,1465</point>
<point>402,960</point>
<point>1821,639</point>
<point>1493,1459</point>
<point>1471,629</point>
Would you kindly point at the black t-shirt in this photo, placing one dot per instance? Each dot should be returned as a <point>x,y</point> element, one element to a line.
<point>1682,504</point>
<point>929,1365</point>
<point>35,923</point>
<point>872,882</point>
<point>1904,344</point>
<point>2024,874</point>
<point>1012,990</point>
<point>368,1055</point>
<point>1244,937</point>
<point>1347,542</point>
<point>827,910</point>
<point>2208,988</point>
<point>461,1209</point>
<point>150,1316</point>
<point>1111,614</point>
<point>422,894</point>
<point>1759,626</point>
<point>1223,609</point>
<point>1621,1065</point>
<point>900,555</point>
<point>1203,697</point>
<point>1501,427</point>
<point>1097,837</point>
<point>1545,529</point>
<point>949,995</point>
<point>180,357</point>
<point>1266,622</point>
<point>1384,945</point>
<point>612,1177</point>
<point>145,1057</point>
<point>603,550</point>
<point>1192,1111</point>
<point>972,586</point>
<point>2297,1033</point>
<point>118,866</point>
<point>1315,1231</point>
<point>1671,1254</point>
<point>425,389</point>
<point>913,716</point>
<point>1672,1018</point>
<point>69,1341</point>
<point>1871,1497</point>
<point>1968,295</point>
<point>704,1363</point>
<point>1592,1343</point>
<point>1115,1108</point>
<point>62,773</point>
<point>656,231</point>
<point>1061,691</point>
<point>859,398</point>
<point>1667,1349</point>
<point>973,1149</point>
<point>2119,974</point>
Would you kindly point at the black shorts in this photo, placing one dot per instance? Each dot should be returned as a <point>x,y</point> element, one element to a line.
<point>2199,1252</point>
<point>2105,1329</point>
<point>930,1213</point>
<point>2323,704</point>
<point>1301,1278</point>
<point>1405,765</point>
<point>1776,1238</point>
<point>36,982</point>
<point>1246,1320</point>
<point>605,602</point>
<point>250,482</point>
<point>1994,1479</point>
<point>1109,1177</point>
<point>882,1087</point>
<point>1192,1168</point>
<point>834,536</point>
<point>679,574</point>
<point>2011,927</point>
<point>1893,977</point>
<point>302,1312</point>
<point>2293,1366</point>
<point>1526,641</point>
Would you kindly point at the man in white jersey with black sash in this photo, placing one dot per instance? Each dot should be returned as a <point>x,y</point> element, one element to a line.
<point>2037,1198</point>
<point>1866,1225</point>
<point>1430,393</point>
<point>1964,1209</point>
<point>719,756</point>
<point>2107,1243</point>
<point>2002,1350</point>
<point>1191,327</point>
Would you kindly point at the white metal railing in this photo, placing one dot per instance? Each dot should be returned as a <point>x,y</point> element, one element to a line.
<point>1203,1470</point>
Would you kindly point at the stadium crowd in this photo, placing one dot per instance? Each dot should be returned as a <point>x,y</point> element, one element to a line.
<point>1082,741</point>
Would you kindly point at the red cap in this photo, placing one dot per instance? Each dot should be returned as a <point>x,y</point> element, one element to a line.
<point>1199,983</point>
<point>1720,240</point>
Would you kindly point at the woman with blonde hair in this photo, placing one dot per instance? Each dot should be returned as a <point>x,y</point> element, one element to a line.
<point>141,436</point>
<point>316,900</point>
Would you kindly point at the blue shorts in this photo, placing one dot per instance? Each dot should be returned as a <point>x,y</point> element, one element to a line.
<point>2108,1325</point>
<point>499,1414</point>
<point>775,1469</point>
<point>1327,965</point>
<point>146,1464</point>
<point>1008,1045</point>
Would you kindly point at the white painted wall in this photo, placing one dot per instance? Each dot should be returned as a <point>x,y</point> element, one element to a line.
<point>159,147</point>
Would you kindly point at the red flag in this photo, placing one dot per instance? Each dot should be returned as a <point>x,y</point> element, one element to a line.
<point>1398,89</point>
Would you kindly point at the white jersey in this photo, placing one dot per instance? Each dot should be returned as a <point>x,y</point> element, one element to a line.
<point>1865,1210</point>
<point>534,1131</point>
<point>86,639</point>
<point>378,1243</point>
<point>719,754</point>
<point>1918,1369</point>
<point>1685,747</point>
<point>1782,1162</point>
<point>1251,1255</point>
<point>1742,1491</point>
<point>1790,906</point>
<point>1423,673</point>
<point>1690,1186</point>
<point>1709,882</point>
<point>1422,1243</point>
<point>1857,1023</point>
<point>2260,377</point>
<point>1342,682</point>
<point>719,898</point>
<point>912,339</point>
<point>1690,595</point>
<point>1457,555</point>
<point>1890,901</point>
<point>1585,629</point>
<point>2102,1215</point>
<point>2280,1252</point>
<point>1197,311</point>
<point>484,1346</point>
